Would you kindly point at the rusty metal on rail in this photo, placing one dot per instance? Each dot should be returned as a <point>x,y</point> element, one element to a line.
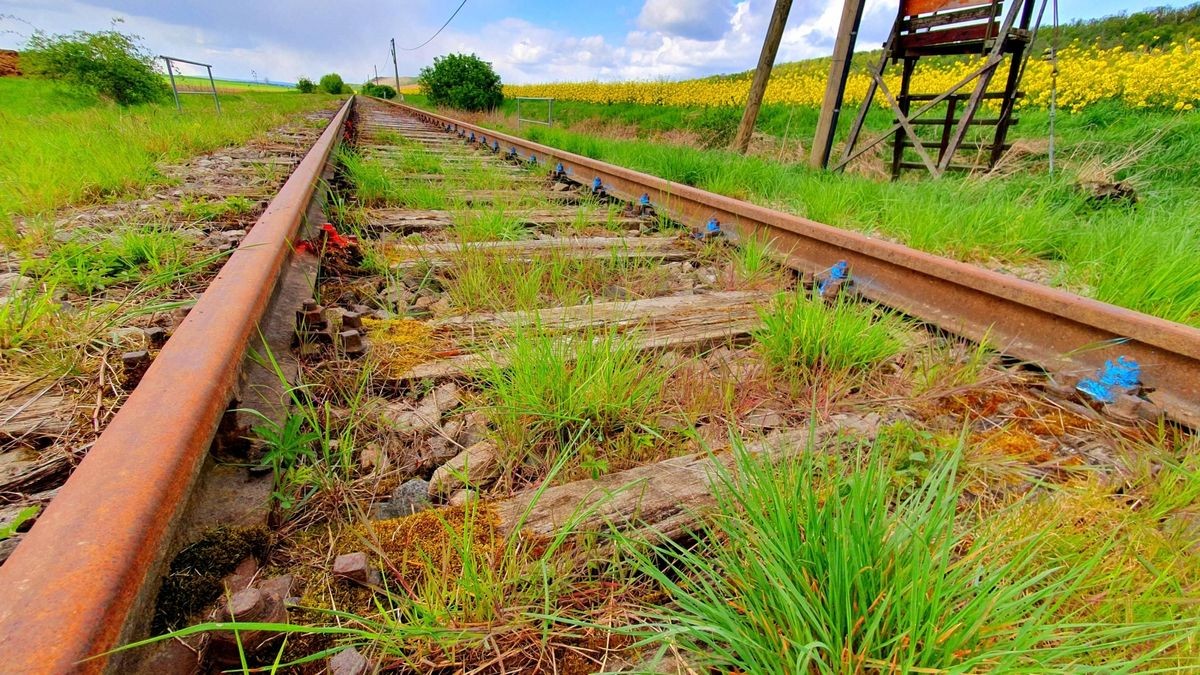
<point>71,585</point>
<point>1062,332</point>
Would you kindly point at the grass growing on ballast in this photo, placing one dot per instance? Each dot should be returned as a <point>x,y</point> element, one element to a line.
<point>483,280</point>
<point>802,336</point>
<point>549,390</point>
<point>814,565</point>
<point>487,225</point>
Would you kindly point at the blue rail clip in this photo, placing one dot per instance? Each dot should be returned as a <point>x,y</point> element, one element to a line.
<point>838,273</point>
<point>711,229</point>
<point>1116,377</point>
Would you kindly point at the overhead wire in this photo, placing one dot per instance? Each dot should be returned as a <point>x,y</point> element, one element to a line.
<point>439,31</point>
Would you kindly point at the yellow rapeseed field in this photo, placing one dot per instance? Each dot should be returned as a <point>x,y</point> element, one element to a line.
<point>1163,78</point>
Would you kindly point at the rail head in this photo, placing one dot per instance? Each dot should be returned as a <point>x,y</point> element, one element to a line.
<point>72,583</point>
<point>1060,331</point>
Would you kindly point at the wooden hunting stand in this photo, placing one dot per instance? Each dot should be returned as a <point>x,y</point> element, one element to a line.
<point>933,28</point>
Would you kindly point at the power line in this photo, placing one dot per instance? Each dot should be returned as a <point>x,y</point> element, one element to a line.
<point>439,31</point>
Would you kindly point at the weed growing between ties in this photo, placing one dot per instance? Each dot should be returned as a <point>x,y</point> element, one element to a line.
<point>311,452</point>
<point>848,577</point>
<point>86,265</point>
<point>487,225</point>
<point>802,338</point>
<point>596,388</point>
<point>207,211</point>
<point>483,280</point>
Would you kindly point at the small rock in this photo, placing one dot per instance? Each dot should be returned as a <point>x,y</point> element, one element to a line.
<point>764,419</point>
<point>425,302</point>
<point>129,335</point>
<point>463,497</point>
<point>866,426</point>
<point>11,282</point>
<point>428,411</point>
<point>372,456</point>
<point>614,292</point>
<point>474,430</point>
<point>353,566</point>
<point>672,422</point>
<point>477,466</point>
<point>278,587</point>
<point>412,496</point>
<point>349,662</point>
<point>397,297</point>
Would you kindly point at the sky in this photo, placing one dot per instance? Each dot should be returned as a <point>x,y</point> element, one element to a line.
<point>529,41</point>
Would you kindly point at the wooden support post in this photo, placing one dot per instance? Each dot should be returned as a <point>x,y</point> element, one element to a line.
<point>947,125</point>
<point>762,74</point>
<point>898,147</point>
<point>835,90</point>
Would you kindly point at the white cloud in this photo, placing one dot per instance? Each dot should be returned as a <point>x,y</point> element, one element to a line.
<point>668,39</point>
<point>694,19</point>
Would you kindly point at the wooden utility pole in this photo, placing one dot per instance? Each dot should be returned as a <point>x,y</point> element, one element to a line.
<point>395,67</point>
<point>762,74</point>
<point>835,90</point>
<point>396,70</point>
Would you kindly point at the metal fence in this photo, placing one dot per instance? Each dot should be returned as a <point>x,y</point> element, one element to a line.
<point>548,122</point>
<point>171,60</point>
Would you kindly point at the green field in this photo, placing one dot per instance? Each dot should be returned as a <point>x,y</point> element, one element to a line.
<point>198,82</point>
<point>63,146</point>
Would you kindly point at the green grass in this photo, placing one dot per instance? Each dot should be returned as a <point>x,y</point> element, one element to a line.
<point>848,577</point>
<point>64,147</point>
<point>552,392</point>
<point>1137,256</point>
<point>487,225</point>
<point>483,280</point>
<point>87,264</point>
<point>802,338</point>
<point>201,83</point>
<point>209,210</point>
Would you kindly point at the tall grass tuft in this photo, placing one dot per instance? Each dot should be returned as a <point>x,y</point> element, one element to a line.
<point>814,566</point>
<point>551,389</point>
<point>372,186</point>
<point>801,335</point>
<point>487,225</point>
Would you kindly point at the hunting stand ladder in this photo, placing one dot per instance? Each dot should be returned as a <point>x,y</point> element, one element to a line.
<point>947,28</point>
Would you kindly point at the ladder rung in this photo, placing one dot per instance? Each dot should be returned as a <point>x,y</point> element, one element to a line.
<point>963,97</point>
<point>952,167</point>
<point>986,122</point>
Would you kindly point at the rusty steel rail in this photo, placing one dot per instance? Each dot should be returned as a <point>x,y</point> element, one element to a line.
<point>1060,331</point>
<point>71,586</point>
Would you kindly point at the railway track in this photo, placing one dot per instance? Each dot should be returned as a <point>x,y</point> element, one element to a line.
<point>488,245</point>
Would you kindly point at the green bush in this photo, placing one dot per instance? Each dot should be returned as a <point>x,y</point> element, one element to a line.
<point>333,84</point>
<point>378,90</point>
<point>461,81</point>
<point>112,64</point>
<point>306,86</point>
